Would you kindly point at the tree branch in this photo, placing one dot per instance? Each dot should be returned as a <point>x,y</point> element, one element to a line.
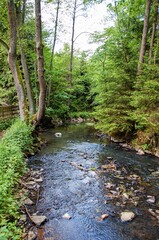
<point>4,44</point>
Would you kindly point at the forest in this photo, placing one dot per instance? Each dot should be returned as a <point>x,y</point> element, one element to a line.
<point>116,85</point>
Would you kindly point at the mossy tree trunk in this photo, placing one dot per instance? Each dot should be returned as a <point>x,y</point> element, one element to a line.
<point>12,60</point>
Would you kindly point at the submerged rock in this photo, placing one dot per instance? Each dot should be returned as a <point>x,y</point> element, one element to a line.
<point>58,134</point>
<point>103,217</point>
<point>127,216</point>
<point>151,199</point>
<point>67,216</point>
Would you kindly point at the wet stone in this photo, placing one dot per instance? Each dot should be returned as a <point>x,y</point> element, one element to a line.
<point>151,199</point>
<point>127,216</point>
<point>66,216</point>
<point>31,235</point>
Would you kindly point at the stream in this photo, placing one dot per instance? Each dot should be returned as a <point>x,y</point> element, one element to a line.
<point>85,179</point>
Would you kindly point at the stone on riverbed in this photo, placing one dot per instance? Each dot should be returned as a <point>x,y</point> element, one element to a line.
<point>127,216</point>
<point>28,201</point>
<point>38,220</point>
<point>151,199</point>
<point>103,217</point>
<point>66,216</point>
<point>31,235</point>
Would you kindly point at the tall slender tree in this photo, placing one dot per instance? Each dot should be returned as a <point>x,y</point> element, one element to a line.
<point>40,61</point>
<point>53,50</point>
<point>154,29</point>
<point>24,61</point>
<point>144,36</point>
<point>12,59</point>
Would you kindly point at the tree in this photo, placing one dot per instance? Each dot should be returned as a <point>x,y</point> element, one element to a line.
<point>12,59</point>
<point>144,36</point>
<point>53,50</point>
<point>40,62</point>
<point>23,59</point>
<point>153,34</point>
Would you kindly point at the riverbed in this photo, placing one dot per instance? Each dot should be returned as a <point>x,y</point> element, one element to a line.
<point>88,184</point>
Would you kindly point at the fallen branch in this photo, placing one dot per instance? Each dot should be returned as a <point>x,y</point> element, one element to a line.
<point>26,210</point>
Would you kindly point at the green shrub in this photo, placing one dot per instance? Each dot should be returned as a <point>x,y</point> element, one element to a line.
<point>19,135</point>
<point>12,166</point>
<point>4,124</point>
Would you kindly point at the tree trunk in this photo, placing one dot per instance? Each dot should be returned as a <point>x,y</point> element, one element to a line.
<point>25,66</point>
<point>27,83</point>
<point>53,51</point>
<point>153,30</point>
<point>72,41</point>
<point>144,37</point>
<point>40,62</point>
<point>12,60</point>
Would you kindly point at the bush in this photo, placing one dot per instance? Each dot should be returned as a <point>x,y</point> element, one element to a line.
<point>4,124</point>
<point>12,166</point>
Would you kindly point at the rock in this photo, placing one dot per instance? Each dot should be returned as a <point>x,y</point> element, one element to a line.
<point>152,212</point>
<point>109,158</point>
<point>151,199</point>
<point>38,220</point>
<point>38,180</point>
<point>110,166</point>
<point>58,134</point>
<point>30,183</point>
<point>157,212</point>
<point>66,216</point>
<point>102,217</point>
<point>92,174</point>
<point>28,201</point>
<point>86,180</point>
<point>31,235</point>
<point>127,216</point>
<point>23,218</point>
<point>125,196</point>
<point>140,152</point>
<point>155,173</point>
<point>109,185</point>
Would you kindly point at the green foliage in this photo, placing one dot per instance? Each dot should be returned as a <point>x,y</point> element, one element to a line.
<point>145,101</point>
<point>67,100</point>
<point>19,134</point>
<point>12,166</point>
<point>4,124</point>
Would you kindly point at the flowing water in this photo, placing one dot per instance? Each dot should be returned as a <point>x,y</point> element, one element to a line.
<point>76,183</point>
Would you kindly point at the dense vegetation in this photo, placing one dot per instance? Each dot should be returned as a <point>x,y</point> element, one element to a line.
<point>16,141</point>
<point>117,85</point>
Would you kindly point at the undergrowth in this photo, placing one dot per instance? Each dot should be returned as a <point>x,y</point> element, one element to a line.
<point>17,140</point>
<point>4,124</point>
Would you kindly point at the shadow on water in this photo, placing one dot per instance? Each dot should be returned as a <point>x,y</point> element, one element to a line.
<point>75,183</point>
